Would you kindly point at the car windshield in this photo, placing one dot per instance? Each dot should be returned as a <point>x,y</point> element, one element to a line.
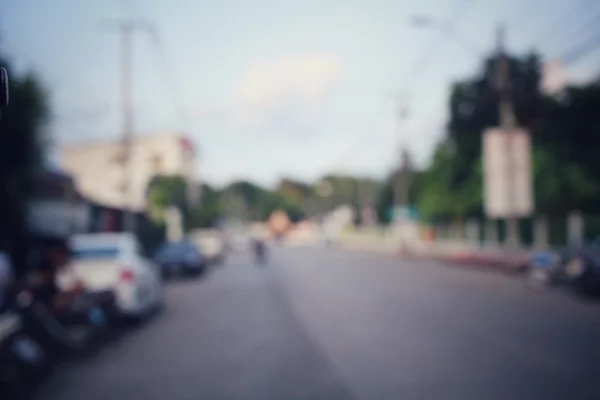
<point>176,249</point>
<point>94,253</point>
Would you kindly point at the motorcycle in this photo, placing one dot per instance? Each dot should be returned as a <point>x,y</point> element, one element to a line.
<point>582,269</point>
<point>260,252</point>
<point>544,270</point>
<point>576,267</point>
<point>71,330</point>
<point>23,360</point>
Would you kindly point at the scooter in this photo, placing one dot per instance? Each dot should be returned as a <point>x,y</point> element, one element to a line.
<point>544,270</point>
<point>70,331</point>
<point>23,360</point>
<point>91,315</point>
<point>13,380</point>
<point>260,252</point>
<point>582,269</point>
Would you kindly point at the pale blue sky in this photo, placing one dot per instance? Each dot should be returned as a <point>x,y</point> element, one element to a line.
<point>272,88</point>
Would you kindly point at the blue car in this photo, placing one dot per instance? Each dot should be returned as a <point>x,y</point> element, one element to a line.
<point>180,258</point>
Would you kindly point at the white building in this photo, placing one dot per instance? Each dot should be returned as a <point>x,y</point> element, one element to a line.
<point>100,176</point>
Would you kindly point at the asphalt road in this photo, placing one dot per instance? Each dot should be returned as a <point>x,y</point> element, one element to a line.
<point>332,324</point>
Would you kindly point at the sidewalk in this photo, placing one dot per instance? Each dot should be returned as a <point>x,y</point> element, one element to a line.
<point>497,259</point>
<point>453,253</point>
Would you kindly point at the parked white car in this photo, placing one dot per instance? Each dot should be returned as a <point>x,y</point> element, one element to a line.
<point>114,261</point>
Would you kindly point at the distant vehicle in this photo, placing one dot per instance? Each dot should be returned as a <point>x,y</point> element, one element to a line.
<point>114,262</point>
<point>180,257</point>
<point>212,243</point>
<point>260,251</point>
<point>582,267</point>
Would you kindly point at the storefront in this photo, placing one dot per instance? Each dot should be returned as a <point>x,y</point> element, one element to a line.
<point>56,209</point>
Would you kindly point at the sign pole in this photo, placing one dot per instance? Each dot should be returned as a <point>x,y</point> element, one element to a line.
<point>508,123</point>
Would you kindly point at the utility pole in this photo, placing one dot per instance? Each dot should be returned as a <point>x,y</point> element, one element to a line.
<point>126,29</point>
<point>358,198</point>
<point>508,124</point>
<point>401,180</point>
<point>402,183</point>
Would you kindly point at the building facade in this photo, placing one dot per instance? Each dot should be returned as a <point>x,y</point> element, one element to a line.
<point>101,172</point>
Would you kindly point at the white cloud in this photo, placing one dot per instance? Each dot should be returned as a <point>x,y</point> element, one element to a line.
<point>268,88</point>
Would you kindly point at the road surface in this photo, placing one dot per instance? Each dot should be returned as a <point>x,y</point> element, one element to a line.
<point>332,324</point>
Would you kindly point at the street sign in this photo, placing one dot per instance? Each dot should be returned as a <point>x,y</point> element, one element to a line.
<point>508,182</point>
<point>404,213</point>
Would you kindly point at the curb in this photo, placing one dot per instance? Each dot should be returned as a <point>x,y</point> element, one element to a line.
<point>500,264</point>
<point>487,262</point>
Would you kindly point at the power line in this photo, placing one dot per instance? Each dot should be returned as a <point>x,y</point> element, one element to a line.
<point>425,58</point>
<point>585,27</point>
<point>401,182</point>
<point>418,67</point>
<point>100,105</point>
<point>365,134</point>
<point>167,72</point>
<point>132,7</point>
<point>167,69</point>
<point>522,8</point>
<point>582,50</point>
<point>550,31</point>
<point>165,65</point>
<point>126,29</point>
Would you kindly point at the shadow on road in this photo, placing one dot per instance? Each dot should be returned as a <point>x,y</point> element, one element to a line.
<point>117,339</point>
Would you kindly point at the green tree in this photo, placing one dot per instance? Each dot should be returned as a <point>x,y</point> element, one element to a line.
<point>559,185</point>
<point>452,185</point>
<point>164,192</point>
<point>568,133</point>
<point>442,195</point>
<point>294,190</point>
<point>208,212</point>
<point>474,104</point>
<point>384,202</point>
<point>247,196</point>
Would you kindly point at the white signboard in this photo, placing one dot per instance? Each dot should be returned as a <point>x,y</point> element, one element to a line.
<point>508,183</point>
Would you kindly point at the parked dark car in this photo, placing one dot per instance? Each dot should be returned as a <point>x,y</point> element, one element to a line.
<point>176,258</point>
